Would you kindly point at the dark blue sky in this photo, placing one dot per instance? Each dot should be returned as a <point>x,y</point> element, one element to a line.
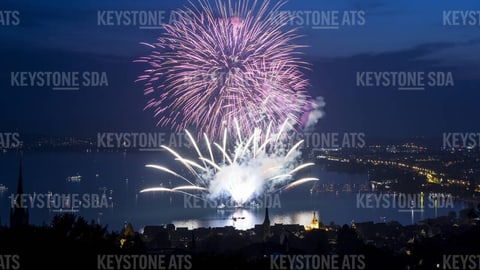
<point>410,36</point>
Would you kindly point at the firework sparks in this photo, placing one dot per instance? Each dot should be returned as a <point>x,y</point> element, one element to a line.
<point>253,168</point>
<point>234,61</point>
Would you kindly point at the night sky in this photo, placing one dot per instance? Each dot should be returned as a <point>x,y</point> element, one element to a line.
<point>411,36</point>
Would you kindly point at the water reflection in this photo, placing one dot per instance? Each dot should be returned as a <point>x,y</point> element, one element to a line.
<point>244,219</point>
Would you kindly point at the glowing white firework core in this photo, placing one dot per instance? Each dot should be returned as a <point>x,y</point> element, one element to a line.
<point>259,164</point>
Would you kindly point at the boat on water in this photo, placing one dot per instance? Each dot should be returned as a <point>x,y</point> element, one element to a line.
<point>252,205</point>
<point>74,178</point>
<point>237,218</point>
<point>222,207</point>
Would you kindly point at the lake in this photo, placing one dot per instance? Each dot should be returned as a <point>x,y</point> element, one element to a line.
<point>104,187</point>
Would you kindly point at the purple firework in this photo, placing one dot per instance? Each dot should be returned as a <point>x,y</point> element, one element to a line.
<point>234,62</point>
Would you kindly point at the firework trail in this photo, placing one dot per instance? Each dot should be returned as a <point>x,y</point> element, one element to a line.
<point>231,61</point>
<point>254,167</point>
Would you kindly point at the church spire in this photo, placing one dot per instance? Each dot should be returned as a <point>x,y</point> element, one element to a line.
<point>314,220</point>
<point>18,211</point>
<point>315,223</point>
<point>267,218</point>
<point>266,226</point>
<point>20,179</point>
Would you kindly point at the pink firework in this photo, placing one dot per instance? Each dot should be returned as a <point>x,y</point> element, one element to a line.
<point>234,62</point>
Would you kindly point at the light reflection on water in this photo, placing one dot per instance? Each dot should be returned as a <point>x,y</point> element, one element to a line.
<point>327,207</point>
<point>243,219</point>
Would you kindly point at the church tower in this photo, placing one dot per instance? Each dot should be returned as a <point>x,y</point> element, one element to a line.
<point>315,223</point>
<point>19,211</point>
<point>266,226</point>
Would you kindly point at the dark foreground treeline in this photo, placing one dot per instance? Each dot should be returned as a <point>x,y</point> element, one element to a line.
<point>70,242</point>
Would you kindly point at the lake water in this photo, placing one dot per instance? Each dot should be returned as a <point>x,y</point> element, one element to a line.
<point>109,185</point>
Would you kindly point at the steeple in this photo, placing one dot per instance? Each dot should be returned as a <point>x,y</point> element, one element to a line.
<point>18,211</point>
<point>20,179</point>
<point>267,219</point>
<point>128,236</point>
<point>315,223</point>
<point>266,226</point>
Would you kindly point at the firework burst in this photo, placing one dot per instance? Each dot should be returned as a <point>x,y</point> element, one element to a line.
<point>256,166</point>
<point>231,61</point>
